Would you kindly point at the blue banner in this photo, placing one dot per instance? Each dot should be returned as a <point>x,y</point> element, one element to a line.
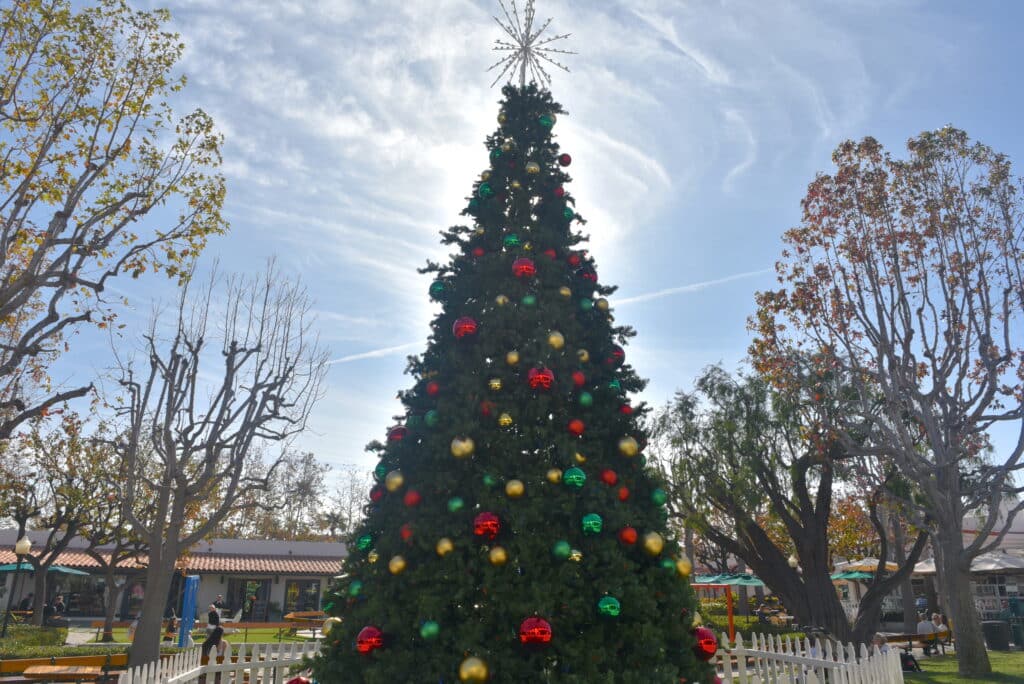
<point>188,609</point>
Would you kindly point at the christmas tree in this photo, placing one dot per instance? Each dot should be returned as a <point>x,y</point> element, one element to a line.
<point>515,533</point>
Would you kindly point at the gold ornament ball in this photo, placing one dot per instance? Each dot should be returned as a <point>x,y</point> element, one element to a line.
<point>554,476</point>
<point>373,556</point>
<point>697,620</point>
<point>512,358</point>
<point>583,355</point>
<point>601,304</point>
<point>479,231</point>
<point>565,292</point>
<point>444,546</point>
<point>528,246</point>
<point>394,480</point>
<point>329,624</point>
<point>505,420</point>
<point>684,567</point>
<point>508,146</point>
<point>653,543</point>
<point>515,489</point>
<point>515,185</point>
<point>502,117</point>
<point>532,168</point>
<point>462,447</point>
<point>579,458</point>
<point>396,565</point>
<point>494,384</point>
<point>501,300</point>
<point>556,340</point>
<point>485,176</point>
<point>473,671</point>
<point>498,556</point>
<point>628,447</point>
<point>576,556</point>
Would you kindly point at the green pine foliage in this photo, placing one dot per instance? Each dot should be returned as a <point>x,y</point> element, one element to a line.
<point>478,606</point>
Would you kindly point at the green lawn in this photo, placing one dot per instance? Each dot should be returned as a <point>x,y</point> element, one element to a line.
<point>254,636</point>
<point>1006,668</point>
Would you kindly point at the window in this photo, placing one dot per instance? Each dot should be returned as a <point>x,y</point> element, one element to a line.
<point>302,595</point>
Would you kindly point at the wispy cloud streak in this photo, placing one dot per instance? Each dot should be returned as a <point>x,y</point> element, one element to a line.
<point>692,287</point>
<point>376,353</point>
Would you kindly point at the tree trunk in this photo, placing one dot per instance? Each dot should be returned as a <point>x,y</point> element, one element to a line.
<point>39,588</point>
<point>110,598</point>
<point>146,645</point>
<point>972,657</point>
<point>899,549</point>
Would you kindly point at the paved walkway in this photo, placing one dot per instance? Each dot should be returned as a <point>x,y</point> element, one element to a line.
<point>79,636</point>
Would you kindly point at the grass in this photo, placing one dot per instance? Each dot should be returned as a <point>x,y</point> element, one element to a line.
<point>254,636</point>
<point>1006,668</point>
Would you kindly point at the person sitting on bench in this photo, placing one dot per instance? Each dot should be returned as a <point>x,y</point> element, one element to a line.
<point>925,626</point>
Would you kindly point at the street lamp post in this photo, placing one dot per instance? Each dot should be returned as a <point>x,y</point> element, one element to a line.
<point>21,549</point>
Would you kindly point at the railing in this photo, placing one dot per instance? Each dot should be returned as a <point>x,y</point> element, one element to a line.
<point>774,660</point>
<point>266,663</point>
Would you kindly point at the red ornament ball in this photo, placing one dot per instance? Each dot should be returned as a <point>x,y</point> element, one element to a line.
<point>626,410</point>
<point>524,267</point>
<point>433,389</point>
<point>559,192</point>
<point>707,645</point>
<point>564,160</point>
<point>551,254</point>
<point>406,532</point>
<point>623,493</point>
<point>397,433</point>
<point>299,680</point>
<point>609,477</point>
<point>588,275</point>
<point>369,639</point>
<point>486,525</point>
<point>479,252</point>
<point>616,357</point>
<point>377,493</point>
<point>540,378</point>
<point>628,535</point>
<point>535,630</point>
<point>464,327</point>
<point>576,427</point>
<point>579,379</point>
<point>412,498</point>
<point>574,260</point>
<point>487,408</point>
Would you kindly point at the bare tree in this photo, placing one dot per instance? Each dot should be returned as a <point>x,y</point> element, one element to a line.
<point>346,506</point>
<point>90,148</point>
<point>189,436</point>
<point>910,273</point>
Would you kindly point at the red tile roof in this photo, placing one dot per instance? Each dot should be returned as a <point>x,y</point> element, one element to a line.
<point>215,562</point>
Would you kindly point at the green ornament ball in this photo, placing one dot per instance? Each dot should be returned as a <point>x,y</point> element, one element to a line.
<point>561,550</point>
<point>569,214</point>
<point>546,120</point>
<point>586,304</point>
<point>496,153</point>
<point>485,191</point>
<point>380,472</point>
<point>430,629</point>
<point>511,240</point>
<point>668,564</point>
<point>574,477</point>
<point>431,418</point>
<point>592,523</point>
<point>609,606</point>
<point>438,290</point>
<point>355,589</point>
<point>489,480</point>
<point>474,203</point>
<point>529,300</point>
<point>659,497</point>
<point>365,542</point>
<point>586,399</point>
<point>455,504</point>
<point>615,386</point>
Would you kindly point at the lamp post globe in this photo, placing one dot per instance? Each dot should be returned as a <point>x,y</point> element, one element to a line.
<point>23,546</point>
<point>21,549</point>
<point>794,561</point>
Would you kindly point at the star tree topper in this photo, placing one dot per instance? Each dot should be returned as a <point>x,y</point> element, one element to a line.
<point>526,49</point>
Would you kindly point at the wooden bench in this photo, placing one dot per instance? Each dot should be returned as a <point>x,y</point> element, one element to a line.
<point>933,639</point>
<point>64,673</point>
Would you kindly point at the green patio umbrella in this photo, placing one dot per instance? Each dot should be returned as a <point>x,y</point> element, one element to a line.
<point>853,575</point>
<point>25,567</point>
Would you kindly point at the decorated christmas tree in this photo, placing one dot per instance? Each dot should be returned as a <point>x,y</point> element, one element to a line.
<point>515,533</point>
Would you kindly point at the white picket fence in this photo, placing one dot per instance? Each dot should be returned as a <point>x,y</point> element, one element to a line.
<point>262,663</point>
<point>774,660</point>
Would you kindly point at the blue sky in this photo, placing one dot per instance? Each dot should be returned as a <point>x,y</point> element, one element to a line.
<point>355,129</point>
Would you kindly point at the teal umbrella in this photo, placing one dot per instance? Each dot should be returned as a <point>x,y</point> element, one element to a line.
<point>25,567</point>
<point>855,575</point>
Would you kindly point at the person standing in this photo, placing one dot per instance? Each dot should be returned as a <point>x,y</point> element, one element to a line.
<point>212,619</point>
<point>219,602</point>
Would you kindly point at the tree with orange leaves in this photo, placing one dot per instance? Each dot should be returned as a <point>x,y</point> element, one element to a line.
<point>908,275</point>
